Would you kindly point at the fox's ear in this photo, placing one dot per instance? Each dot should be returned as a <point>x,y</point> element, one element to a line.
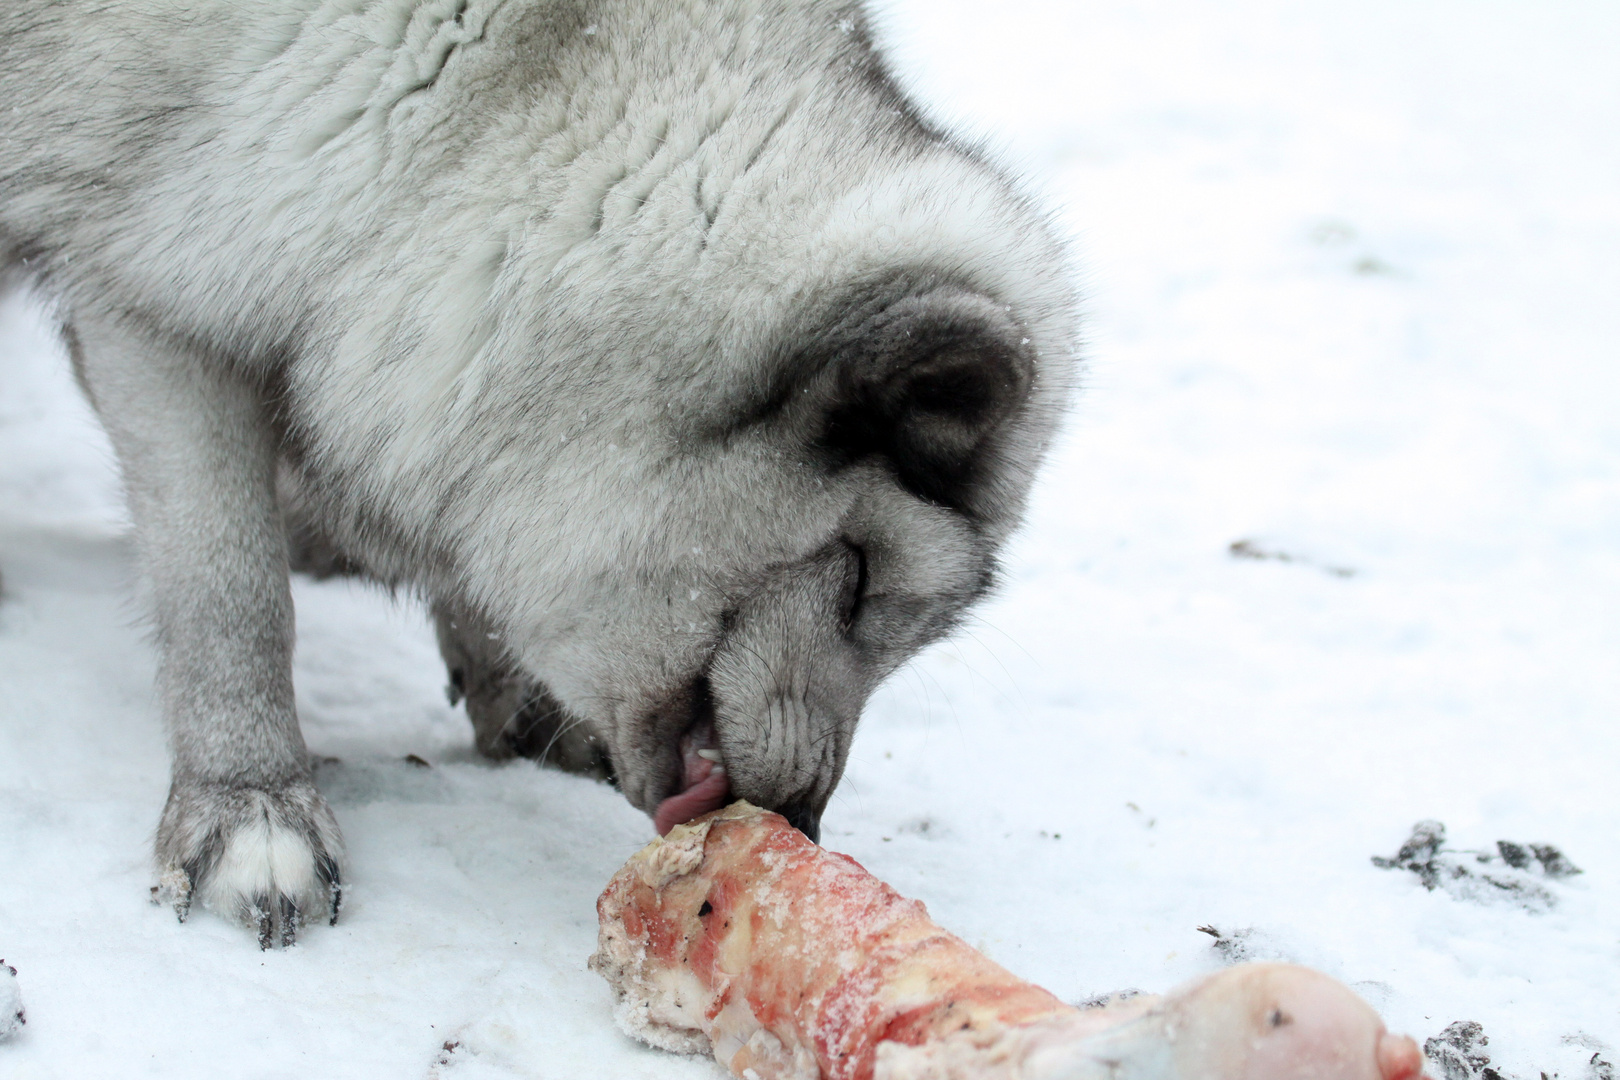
<point>925,384</point>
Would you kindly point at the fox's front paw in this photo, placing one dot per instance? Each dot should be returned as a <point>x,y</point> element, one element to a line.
<point>267,857</point>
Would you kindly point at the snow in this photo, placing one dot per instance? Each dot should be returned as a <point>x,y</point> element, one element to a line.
<point>1350,279</point>
<point>12,1014</point>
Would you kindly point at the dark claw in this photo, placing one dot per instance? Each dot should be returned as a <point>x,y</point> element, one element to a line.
<point>290,920</point>
<point>334,886</point>
<point>260,913</point>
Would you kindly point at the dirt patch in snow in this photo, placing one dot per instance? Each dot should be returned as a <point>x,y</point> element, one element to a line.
<point>1514,873</point>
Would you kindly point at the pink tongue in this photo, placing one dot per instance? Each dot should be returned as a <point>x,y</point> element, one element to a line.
<point>707,787</point>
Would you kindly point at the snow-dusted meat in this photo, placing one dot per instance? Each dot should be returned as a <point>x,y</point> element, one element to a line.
<point>736,935</point>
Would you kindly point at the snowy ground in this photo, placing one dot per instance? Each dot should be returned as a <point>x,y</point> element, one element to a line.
<point>1352,278</point>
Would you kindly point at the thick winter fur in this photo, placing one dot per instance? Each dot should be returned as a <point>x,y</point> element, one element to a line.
<point>661,339</point>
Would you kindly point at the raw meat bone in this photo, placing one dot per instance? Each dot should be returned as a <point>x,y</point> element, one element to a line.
<point>737,936</point>
<point>1250,1022</point>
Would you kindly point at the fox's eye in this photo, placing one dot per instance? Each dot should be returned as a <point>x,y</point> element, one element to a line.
<point>856,589</point>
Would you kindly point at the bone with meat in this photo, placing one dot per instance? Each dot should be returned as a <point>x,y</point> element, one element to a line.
<point>737,936</point>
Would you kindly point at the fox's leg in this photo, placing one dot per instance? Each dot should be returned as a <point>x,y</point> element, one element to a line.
<point>245,829</point>
<point>512,715</point>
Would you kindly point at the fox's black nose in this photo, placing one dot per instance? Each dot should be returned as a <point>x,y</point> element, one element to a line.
<point>805,818</point>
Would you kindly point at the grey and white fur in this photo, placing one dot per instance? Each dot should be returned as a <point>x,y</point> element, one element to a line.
<point>662,345</point>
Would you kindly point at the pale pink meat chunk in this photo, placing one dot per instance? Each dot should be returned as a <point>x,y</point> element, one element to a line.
<point>738,937</point>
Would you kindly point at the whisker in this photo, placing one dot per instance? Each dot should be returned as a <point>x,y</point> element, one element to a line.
<point>562,729</point>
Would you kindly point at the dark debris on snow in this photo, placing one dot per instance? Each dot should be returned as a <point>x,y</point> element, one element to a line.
<point>1514,872</point>
<point>1458,1053</point>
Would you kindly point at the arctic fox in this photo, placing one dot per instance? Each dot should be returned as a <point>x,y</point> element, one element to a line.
<point>691,373</point>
